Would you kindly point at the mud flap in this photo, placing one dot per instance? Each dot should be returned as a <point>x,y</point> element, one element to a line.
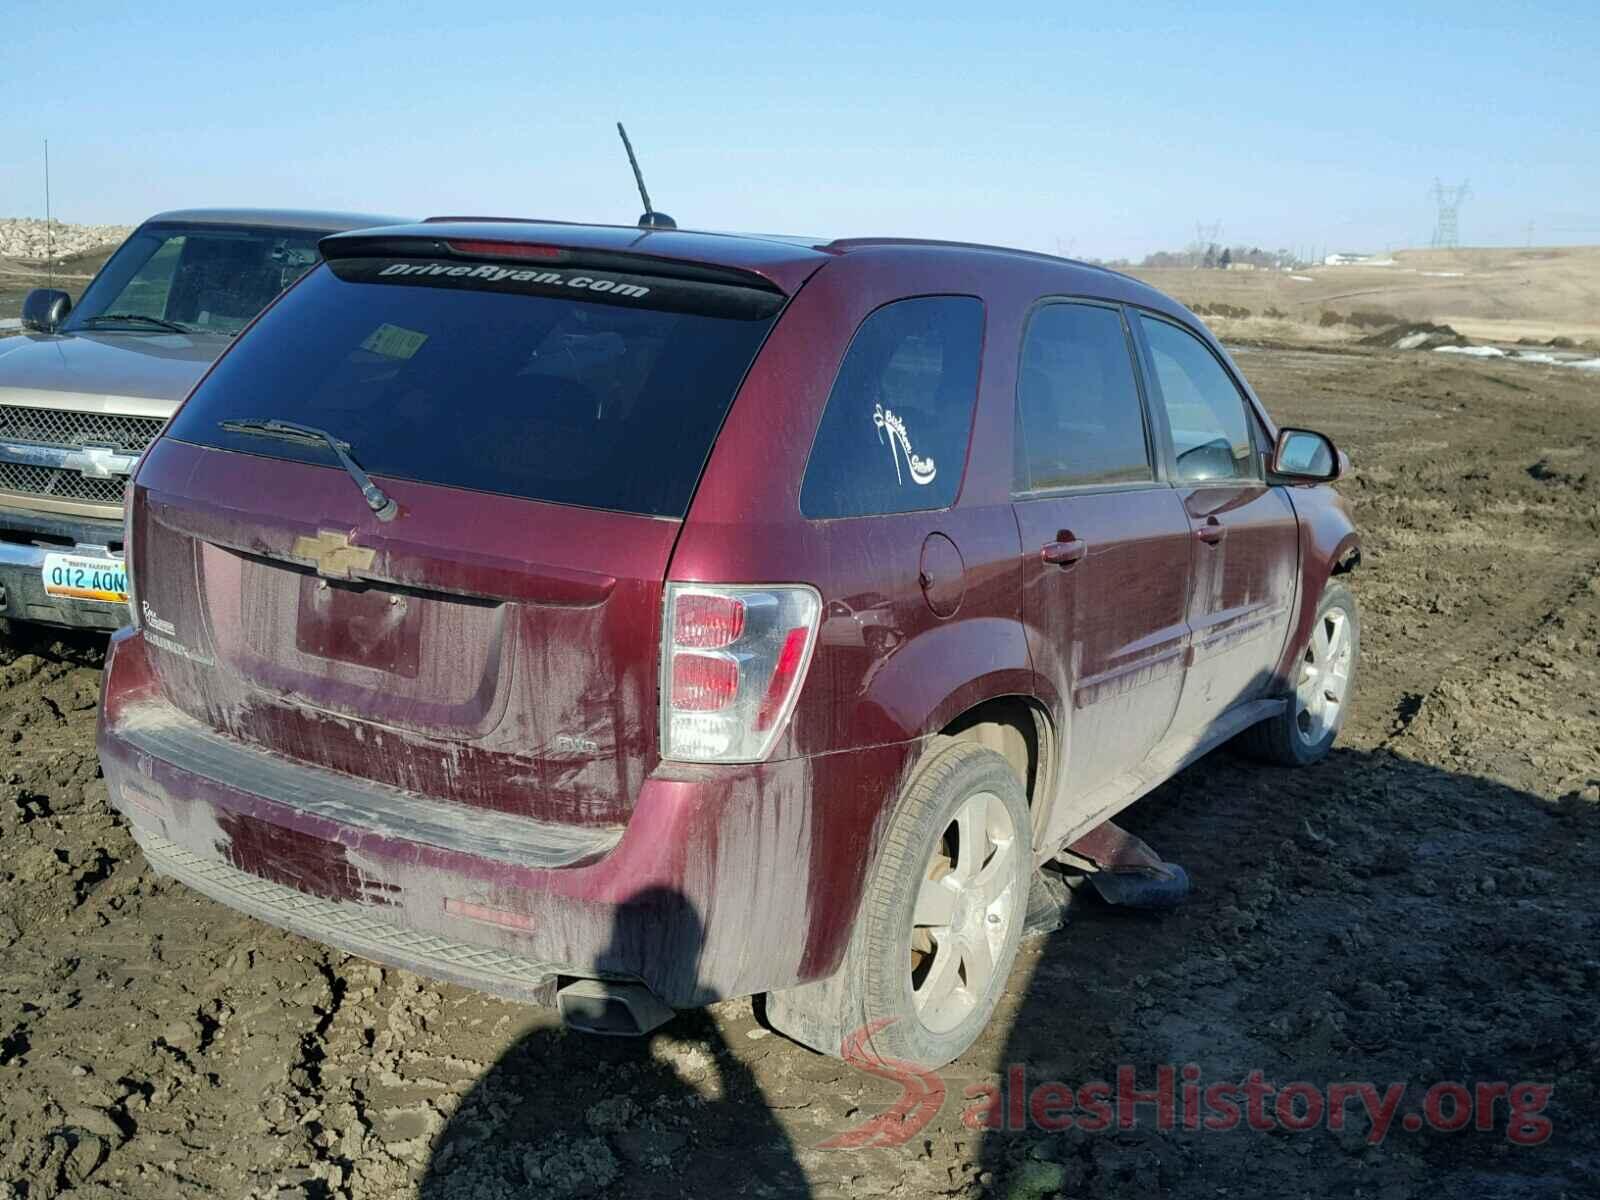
<point>820,1015</point>
<point>826,1015</point>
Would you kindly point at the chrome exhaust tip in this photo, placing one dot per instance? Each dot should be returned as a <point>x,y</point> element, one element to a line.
<point>611,1009</point>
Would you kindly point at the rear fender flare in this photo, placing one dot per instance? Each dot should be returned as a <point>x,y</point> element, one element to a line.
<point>962,663</point>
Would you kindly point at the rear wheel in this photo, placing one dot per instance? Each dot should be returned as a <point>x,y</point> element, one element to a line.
<point>1324,686</point>
<point>945,907</point>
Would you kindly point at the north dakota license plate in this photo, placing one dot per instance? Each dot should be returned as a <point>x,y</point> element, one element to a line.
<point>86,577</point>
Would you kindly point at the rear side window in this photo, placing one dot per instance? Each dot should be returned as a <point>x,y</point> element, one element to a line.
<point>1081,421</point>
<point>1210,432</point>
<point>594,388</point>
<point>893,437</point>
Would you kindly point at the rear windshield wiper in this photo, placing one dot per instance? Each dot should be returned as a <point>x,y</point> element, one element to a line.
<point>124,318</point>
<point>383,507</point>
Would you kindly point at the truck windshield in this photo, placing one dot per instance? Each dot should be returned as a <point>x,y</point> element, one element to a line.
<point>193,278</point>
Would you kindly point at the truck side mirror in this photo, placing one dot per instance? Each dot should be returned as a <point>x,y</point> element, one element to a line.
<point>1304,456</point>
<point>44,309</point>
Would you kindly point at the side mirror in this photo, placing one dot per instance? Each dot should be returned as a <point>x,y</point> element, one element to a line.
<point>45,309</point>
<point>1304,456</point>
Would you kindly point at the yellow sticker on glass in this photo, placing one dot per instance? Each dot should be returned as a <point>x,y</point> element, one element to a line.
<point>394,342</point>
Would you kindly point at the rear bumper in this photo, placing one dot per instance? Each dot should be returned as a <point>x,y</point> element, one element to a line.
<point>725,881</point>
<point>28,538</point>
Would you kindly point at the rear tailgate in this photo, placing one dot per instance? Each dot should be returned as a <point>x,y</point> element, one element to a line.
<point>496,643</point>
<point>444,666</point>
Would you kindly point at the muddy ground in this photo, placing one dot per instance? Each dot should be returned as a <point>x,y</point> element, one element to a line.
<point>1421,908</point>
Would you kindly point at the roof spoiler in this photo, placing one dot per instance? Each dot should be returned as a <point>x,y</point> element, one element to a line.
<point>388,245</point>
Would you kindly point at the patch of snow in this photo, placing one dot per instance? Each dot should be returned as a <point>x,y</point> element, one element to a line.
<point>10,322</point>
<point>1474,351</point>
<point>1303,278</point>
<point>1412,340</point>
<point>1515,355</point>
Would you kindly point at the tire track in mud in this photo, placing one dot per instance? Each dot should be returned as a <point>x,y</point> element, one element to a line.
<point>1581,583</point>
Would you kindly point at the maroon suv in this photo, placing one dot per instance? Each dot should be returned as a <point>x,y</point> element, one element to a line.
<point>641,618</point>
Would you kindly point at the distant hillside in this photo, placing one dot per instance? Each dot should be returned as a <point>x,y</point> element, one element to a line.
<point>1488,295</point>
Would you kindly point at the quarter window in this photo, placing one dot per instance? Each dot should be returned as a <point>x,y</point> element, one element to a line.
<point>1078,410</point>
<point>894,435</point>
<point>1210,431</point>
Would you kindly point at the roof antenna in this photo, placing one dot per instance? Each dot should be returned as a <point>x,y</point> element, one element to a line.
<point>49,233</point>
<point>650,219</point>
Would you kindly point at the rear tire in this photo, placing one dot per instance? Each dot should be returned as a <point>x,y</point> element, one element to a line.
<point>944,908</point>
<point>1325,677</point>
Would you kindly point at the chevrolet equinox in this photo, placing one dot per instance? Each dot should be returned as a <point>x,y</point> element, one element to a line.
<point>630,619</point>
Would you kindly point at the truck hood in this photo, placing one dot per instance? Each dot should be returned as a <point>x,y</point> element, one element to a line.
<point>146,374</point>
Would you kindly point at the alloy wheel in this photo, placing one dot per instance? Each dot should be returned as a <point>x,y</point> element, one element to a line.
<point>1324,677</point>
<point>964,909</point>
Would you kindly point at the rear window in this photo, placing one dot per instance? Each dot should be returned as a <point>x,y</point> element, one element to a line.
<point>592,388</point>
<point>893,437</point>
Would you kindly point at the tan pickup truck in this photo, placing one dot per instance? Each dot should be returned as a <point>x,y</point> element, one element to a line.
<point>84,389</point>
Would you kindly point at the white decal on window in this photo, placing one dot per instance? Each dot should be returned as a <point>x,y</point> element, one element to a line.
<point>496,274</point>
<point>921,470</point>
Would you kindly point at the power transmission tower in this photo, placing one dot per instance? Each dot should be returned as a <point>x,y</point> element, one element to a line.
<point>1446,232</point>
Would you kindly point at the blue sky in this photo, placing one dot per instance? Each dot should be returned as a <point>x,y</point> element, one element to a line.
<point>1100,129</point>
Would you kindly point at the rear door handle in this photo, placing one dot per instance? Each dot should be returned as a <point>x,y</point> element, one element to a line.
<point>1064,553</point>
<point>1212,532</point>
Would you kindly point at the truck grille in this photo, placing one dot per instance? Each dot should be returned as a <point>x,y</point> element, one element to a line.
<point>60,484</point>
<point>53,427</point>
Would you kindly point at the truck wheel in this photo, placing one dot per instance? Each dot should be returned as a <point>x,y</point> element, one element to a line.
<point>944,909</point>
<point>1324,687</point>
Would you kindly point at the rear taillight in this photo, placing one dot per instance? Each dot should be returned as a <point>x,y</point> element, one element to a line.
<point>704,621</point>
<point>732,662</point>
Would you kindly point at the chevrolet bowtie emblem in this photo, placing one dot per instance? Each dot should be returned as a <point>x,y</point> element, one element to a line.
<point>332,554</point>
<point>100,462</point>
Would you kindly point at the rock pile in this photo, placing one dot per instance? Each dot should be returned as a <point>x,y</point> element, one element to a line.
<point>26,238</point>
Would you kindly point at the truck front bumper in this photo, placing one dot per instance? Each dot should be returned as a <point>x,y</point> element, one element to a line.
<point>25,539</point>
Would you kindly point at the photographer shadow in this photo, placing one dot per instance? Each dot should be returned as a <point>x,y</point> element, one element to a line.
<point>671,1113</point>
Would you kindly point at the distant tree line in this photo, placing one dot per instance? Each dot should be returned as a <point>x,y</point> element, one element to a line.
<point>1212,257</point>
